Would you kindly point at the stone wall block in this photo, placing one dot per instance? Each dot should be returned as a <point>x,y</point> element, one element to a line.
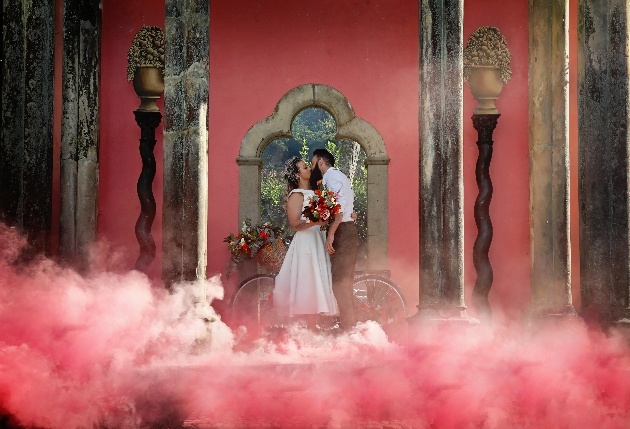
<point>191,221</point>
<point>173,204</point>
<point>68,191</point>
<point>175,49</point>
<point>27,100</point>
<point>13,100</point>
<point>201,7</point>
<point>174,8</point>
<point>603,151</point>
<point>333,101</point>
<point>174,96</point>
<point>86,209</point>
<point>79,129</point>
<point>196,94</point>
<point>197,39</point>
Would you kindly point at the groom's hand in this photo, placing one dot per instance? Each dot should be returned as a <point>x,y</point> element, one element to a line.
<point>329,243</point>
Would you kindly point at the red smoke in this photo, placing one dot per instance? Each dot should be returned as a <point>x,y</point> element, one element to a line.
<point>108,350</point>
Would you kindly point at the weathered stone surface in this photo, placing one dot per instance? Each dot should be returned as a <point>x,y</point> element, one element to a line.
<point>79,128</point>
<point>27,103</point>
<point>549,158</point>
<point>604,145</point>
<point>12,145</point>
<point>185,141</point>
<point>441,155</point>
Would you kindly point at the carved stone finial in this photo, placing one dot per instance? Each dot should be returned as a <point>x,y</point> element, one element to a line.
<point>486,67</point>
<point>147,50</point>
<point>487,47</point>
<point>146,66</point>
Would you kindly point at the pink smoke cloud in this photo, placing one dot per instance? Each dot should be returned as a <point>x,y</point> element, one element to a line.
<point>111,350</point>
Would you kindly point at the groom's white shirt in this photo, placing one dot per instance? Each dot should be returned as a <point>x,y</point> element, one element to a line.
<point>336,181</point>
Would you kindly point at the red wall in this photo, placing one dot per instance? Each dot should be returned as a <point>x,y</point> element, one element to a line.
<point>369,52</point>
<point>366,50</point>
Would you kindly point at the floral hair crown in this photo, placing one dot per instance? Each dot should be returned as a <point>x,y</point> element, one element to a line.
<point>291,169</point>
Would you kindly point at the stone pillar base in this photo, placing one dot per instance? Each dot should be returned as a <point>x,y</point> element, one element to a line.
<point>622,327</point>
<point>533,315</point>
<point>434,315</point>
<point>429,322</point>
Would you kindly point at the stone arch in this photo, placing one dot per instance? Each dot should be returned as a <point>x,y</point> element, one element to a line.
<point>349,126</point>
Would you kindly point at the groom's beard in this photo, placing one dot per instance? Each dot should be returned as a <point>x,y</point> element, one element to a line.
<point>316,176</point>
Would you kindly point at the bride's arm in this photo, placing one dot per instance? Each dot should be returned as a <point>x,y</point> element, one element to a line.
<point>294,213</point>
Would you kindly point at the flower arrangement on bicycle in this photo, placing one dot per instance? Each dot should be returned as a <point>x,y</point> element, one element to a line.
<point>250,241</point>
<point>322,206</point>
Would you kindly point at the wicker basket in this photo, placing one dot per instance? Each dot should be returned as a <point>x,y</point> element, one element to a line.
<point>271,256</point>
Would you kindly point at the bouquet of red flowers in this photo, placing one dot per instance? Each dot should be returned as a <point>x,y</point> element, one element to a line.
<point>250,241</point>
<point>322,206</point>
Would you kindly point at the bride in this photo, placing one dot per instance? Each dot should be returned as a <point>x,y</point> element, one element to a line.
<point>303,286</point>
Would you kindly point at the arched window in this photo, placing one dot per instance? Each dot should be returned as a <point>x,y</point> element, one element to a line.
<point>311,129</point>
<point>349,128</point>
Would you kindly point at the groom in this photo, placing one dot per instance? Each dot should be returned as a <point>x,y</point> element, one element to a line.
<point>342,239</point>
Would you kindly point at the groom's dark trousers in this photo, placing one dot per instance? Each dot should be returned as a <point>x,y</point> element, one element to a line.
<point>346,245</point>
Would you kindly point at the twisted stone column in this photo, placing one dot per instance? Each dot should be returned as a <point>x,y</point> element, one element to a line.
<point>484,124</point>
<point>148,122</point>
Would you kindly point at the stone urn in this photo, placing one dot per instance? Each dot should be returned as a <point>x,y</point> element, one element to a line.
<point>148,82</point>
<point>485,85</point>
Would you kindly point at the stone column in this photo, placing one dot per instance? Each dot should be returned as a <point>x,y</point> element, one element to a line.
<point>377,202</point>
<point>79,128</point>
<point>249,189</point>
<point>441,155</point>
<point>549,158</point>
<point>27,118</point>
<point>184,215</point>
<point>604,148</point>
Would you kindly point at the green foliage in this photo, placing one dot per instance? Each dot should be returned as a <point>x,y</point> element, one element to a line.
<point>312,128</point>
<point>272,198</point>
<point>314,125</point>
<point>304,152</point>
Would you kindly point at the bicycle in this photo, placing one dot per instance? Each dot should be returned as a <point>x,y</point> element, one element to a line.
<point>377,298</point>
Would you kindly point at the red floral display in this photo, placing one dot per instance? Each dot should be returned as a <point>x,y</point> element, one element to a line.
<point>249,241</point>
<point>322,206</point>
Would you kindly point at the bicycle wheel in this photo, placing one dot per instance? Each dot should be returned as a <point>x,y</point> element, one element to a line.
<point>252,300</point>
<point>380,299</point>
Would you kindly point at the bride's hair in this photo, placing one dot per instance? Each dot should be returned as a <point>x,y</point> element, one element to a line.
<point>290,170</point>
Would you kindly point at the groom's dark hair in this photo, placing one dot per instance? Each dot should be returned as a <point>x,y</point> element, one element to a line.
<point>325,155</point>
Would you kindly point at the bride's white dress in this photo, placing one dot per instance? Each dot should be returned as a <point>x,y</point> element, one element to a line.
<point>304,283</point>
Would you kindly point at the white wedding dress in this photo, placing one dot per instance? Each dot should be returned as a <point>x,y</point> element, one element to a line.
<point>304,283</point>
